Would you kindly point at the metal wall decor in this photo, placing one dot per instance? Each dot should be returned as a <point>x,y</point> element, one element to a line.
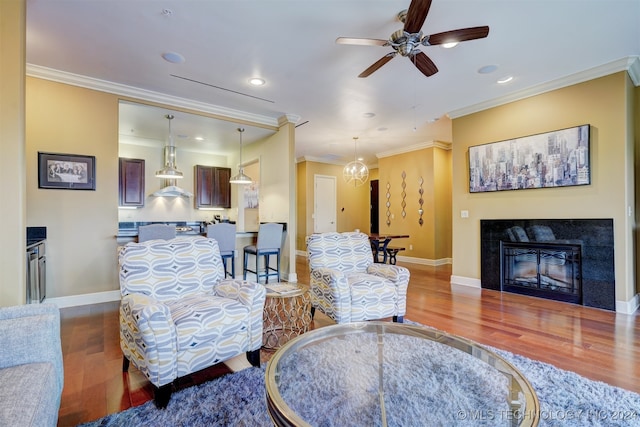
<point>404,195</point>
<point>420,201</point>
<point>388,203</point>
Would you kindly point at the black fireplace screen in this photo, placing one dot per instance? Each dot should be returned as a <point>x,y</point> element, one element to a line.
<point>548,270</point>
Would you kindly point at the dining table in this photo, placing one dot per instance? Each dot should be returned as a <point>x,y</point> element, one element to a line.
<point>380,244</point>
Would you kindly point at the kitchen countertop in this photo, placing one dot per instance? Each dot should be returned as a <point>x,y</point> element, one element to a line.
<point>130,229</point>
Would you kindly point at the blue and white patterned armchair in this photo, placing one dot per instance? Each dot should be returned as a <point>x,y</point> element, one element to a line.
<point>179,314</point>
<point>348,286</point>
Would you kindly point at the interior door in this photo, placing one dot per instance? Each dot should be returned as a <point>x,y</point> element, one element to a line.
<point>374,216</point>
<point>324,204</point>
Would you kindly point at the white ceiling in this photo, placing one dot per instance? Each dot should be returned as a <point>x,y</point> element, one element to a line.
<point>291,44</point>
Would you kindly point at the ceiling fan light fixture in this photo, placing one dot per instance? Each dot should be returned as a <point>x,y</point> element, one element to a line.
<point>449,45</point>
<point>240,178</point>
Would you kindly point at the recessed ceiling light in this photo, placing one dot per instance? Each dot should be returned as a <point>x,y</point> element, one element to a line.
<point>369,115</point>
<point>173,57</point>
<point>449,45</point>
<point>256,81</point>
<point>199,138</point>
<point>487,69</point>
<point>504,80</point>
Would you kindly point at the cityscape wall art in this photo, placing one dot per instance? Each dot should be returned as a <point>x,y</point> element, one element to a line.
<point>553,159</point>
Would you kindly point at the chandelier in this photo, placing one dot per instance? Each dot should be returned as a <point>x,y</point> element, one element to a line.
<point>355,172</point>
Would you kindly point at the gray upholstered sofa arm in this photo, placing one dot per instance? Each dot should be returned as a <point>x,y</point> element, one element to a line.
<point>31,369</point>
<point>31,334</point>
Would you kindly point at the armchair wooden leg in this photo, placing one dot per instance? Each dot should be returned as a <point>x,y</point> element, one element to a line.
<point>125,364</point>
<point>254,357</point>
<point>161,395</point>
<point>313,312</point>
<point>398,319</point>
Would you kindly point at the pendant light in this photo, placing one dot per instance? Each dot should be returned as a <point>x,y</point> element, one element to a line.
<point>240,178</point>
<point>169,171</point>
<point>355,171</point>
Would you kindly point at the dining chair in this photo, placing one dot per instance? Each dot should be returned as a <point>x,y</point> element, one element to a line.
<point>268,244</point>
<point>156,231</point>
<point>225,235</point>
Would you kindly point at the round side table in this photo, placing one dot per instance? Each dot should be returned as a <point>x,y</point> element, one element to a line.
<point>286,315</point>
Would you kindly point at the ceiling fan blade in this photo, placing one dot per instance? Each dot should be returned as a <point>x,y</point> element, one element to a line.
<point>379,63</point>
<point>424,64</point>
<point>361,42</point>
<point>416,15</point>
<point>460,35</point>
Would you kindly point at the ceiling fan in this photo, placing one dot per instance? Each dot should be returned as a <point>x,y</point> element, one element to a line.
<point>406,41</point>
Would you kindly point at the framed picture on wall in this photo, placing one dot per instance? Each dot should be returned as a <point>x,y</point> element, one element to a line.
<point>66,171</point>
<point>553,159</point>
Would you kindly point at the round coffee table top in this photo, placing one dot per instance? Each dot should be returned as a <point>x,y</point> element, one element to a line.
<point>384,373</point>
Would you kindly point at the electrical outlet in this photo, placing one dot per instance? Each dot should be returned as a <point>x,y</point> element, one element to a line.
<point>464,214</point>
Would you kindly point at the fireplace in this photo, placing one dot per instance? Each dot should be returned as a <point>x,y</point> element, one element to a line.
<point>567,260</point>
<point>547,270</point>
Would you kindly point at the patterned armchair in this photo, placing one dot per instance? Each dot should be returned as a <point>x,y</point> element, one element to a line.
<point>179,314</point>
<point>348,286</point>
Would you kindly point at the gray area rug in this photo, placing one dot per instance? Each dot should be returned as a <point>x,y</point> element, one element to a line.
<point>238,399</point>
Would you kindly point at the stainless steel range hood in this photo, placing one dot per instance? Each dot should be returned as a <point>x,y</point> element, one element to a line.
<point>172,191</point>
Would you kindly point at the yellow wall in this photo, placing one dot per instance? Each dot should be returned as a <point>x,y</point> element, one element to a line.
<point>431,240</point>
<point>12,144</point>
<point>82,225</point>
<point>603,104</point>
<point>352,203</point>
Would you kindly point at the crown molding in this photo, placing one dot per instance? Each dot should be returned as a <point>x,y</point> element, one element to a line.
<point>329,162</point>
<point>319,160</point>
<point>288,118</point>
<point>634,70</point>
<point>629,64</point>
<point>147,95</point>
<point>415,147</point>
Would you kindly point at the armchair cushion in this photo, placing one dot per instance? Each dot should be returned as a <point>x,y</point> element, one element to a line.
<point>202,318</point>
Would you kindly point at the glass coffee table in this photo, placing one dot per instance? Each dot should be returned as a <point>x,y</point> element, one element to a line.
<point>384,373</point>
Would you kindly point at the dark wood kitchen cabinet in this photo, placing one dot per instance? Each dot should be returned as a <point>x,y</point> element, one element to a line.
<point>131,182</point>
<point>212,187</point>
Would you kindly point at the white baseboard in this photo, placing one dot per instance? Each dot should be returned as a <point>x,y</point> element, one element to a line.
<point>466,281</point>
<point>424,261</point>
<point>628,307</point>
<point>85,299</point>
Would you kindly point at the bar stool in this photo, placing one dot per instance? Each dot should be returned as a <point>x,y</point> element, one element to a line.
<point>156,231</point>
<point>269,242</point>
<point>225,235</point>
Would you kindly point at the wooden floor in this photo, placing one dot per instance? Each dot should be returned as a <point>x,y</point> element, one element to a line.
<point>597,344</point>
